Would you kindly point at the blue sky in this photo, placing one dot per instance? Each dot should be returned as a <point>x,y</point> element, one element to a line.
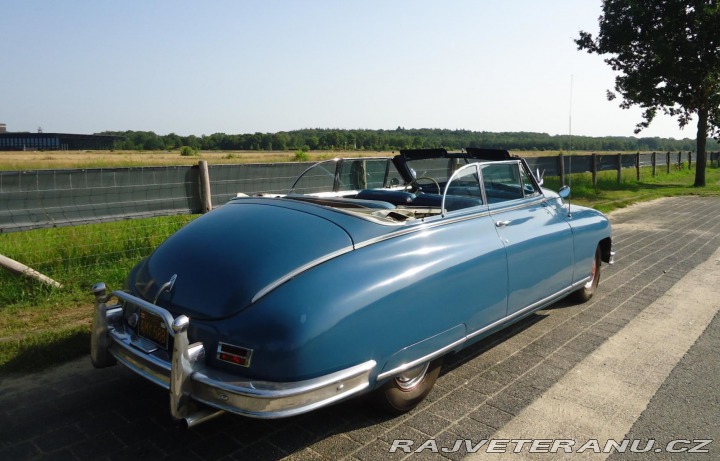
<point>193,67</point>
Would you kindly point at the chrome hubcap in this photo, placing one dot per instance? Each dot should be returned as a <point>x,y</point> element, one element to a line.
<point>409,379</point>
<point>589,285</point>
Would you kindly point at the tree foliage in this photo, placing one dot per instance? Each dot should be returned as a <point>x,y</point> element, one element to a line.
<point>187,151</point>
<point>401,138</point>
<point>667,54</point>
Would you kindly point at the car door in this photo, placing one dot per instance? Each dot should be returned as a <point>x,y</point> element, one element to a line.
<point>480,285</point>
<point>538,240</point>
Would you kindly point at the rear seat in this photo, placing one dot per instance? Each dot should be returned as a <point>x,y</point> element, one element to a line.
<point>452,202</point>
<point>396,197</point>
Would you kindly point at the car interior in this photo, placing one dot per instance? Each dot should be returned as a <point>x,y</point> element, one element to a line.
<point>371,186</point>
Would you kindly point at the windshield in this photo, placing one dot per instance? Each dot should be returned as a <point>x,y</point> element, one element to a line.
<point>347,175</point>
<point>358,174</point>
<point>440,169</point>
<point>318,178</point>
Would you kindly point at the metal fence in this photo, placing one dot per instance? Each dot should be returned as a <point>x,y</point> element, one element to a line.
<point>568,164</point>
<point>54,198</point>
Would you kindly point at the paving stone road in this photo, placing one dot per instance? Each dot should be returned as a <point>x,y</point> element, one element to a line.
<point>75,412</point>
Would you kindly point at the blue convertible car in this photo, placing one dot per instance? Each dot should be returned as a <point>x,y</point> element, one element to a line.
<point>359,280</point>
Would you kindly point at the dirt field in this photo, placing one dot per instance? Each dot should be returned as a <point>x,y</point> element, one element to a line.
<point>47,160</point>
<point>105,159</point>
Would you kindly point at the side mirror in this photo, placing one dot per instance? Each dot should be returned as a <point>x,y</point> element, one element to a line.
<point>564,192</point>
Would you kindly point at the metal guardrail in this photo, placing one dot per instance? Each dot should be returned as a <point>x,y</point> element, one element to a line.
<point>53,198</point>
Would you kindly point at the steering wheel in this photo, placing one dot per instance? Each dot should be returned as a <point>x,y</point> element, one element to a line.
<point>428,178</point>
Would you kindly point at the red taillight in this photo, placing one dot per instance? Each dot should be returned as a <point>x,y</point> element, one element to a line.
<point>234,354</point>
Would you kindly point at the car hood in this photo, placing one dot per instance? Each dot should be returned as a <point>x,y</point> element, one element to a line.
<point>223,260</point>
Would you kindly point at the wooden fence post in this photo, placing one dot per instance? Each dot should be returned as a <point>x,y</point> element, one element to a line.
<point>561,168</point>
<point>689,160</point>
<point>667,162</point>
<point>22,269</point>
<point>205,197</point>
<point>593,168</point>
<point>637,165</point>
<point>654,164</point>
<point>619,168</point>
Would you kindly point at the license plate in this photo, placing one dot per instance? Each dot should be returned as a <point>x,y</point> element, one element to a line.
<point>153,327</point>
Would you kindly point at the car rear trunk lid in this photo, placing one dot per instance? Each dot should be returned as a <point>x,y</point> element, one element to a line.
<point>223,260</point>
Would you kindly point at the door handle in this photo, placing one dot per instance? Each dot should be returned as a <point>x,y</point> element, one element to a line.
<point>502,223</point>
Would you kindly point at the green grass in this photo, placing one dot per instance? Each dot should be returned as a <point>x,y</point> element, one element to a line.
<point>41,322</point>
<point>610,195</point>
<point>41,326</point>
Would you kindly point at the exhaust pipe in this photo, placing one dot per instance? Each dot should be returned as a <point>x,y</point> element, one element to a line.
<point>199,416</point>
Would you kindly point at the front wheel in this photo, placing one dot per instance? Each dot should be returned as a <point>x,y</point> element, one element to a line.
<point>405,391</point>
<point>586,292</point>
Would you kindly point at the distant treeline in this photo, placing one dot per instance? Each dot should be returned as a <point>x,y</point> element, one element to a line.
<point>400,138</point>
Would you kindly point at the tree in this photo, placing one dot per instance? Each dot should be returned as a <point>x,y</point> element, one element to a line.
<point>172,141</point>
<point>668,55</point>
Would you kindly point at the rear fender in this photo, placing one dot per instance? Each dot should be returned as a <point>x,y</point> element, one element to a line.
<point>423,351</point>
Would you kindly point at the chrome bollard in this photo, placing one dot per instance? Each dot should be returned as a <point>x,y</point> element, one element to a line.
<point>181,370</point>
<point>99,340</point>
<point>184,359</point>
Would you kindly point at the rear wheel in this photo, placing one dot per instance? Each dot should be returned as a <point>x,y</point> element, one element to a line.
<point>586,292</point>
<point>406,390</point>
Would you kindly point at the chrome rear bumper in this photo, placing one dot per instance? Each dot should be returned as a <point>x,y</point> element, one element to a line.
<point>197,392</point>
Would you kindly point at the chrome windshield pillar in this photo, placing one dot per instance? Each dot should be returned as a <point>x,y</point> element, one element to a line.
<point>99,336</point>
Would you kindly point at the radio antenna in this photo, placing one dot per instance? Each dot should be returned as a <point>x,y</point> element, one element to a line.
<point>570,146</point>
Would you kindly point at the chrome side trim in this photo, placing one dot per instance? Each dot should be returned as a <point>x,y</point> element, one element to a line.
<point>416,362</point>
<point>526,310</point>
<point>534,202</point>
<point>270,287</point>
<point>447,220</point>
<point>422,226</point>
<point>580,283</point>
<point>532,307</point>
